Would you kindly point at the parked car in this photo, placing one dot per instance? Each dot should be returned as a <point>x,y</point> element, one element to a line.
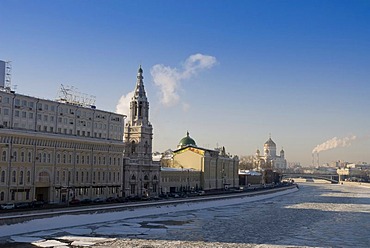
<point>22,205</point>
<point>86,201</point>
<point>98,200</point>
<point>121,199</point>
<point>201,192</point>
<point>111,199</point>
<point>8,206</point>
<point>74,202</point>
<point>37,204</point>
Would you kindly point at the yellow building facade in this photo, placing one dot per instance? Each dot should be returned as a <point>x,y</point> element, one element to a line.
<point>216,169</point>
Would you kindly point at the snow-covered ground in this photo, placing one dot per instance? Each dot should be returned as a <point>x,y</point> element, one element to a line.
<point>318,215</point>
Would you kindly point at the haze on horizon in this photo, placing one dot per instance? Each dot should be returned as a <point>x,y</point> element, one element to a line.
<point>230,73</point>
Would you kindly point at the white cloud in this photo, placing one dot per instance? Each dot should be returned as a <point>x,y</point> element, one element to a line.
<point>169,79</point>
<point>123,105</point>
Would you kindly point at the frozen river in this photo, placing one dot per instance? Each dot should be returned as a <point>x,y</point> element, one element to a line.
<point>318,215</point>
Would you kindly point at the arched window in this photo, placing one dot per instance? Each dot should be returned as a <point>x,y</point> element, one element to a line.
<point>58,158</point>
<point>14,176</point>
<point>77,159</point>
<point>21,177</point>
<point>155,177</point>
<point>29,157</point>
<point>146,177</point>
<point>28,176</point>
<point>22,156</point>
<point>133,177</point>
<point>3,157</point>
<point>44,157</point>
<point>2,196</point>
<point>3,176</point>
<point>64,158</point>
<point>133,147</point>
<point>15,156</point>
<point>140,108</point>
<point>49,158</point>
<point>146,146</point>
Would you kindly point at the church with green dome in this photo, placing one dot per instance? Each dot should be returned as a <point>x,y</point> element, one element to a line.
<point>216,169</point>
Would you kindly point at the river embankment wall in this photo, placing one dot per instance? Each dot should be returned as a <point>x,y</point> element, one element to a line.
<point>37,222</point>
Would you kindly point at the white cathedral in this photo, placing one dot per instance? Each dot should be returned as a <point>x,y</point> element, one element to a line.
<point>269,159</point>
<point>142,175</point>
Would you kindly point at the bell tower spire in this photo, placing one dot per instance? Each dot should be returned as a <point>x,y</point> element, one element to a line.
<point>138,130</point>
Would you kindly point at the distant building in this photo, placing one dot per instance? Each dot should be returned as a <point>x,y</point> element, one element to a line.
<point>269,159</point>
<point>175,180</point>
<point>216,169</point>
<point>141,173</point>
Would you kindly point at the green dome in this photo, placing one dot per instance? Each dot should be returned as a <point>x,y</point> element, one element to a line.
<point>187,141</point>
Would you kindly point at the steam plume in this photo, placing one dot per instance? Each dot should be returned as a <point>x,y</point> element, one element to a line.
<point>334,143</point>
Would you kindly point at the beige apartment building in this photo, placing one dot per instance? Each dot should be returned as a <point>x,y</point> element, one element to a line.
<point>58,150</point>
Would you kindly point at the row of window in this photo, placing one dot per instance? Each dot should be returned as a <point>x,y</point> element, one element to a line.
<point>21,179</point>
<point>20,197</point>
<point>83,177</point>
<point>64,158</point>
<point>18,103</point>
<point>64,177</point>
<point>66,121</point>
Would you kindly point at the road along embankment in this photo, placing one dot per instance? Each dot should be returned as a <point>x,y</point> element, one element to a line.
<point>48,219</point>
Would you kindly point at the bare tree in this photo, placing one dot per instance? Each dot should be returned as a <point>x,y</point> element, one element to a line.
<point>246,162</point>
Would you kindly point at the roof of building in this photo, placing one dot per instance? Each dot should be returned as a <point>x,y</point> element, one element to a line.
<point>249,172</point>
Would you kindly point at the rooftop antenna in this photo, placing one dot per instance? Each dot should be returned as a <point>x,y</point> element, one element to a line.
<point>69,94</point>
<point>8,74</point>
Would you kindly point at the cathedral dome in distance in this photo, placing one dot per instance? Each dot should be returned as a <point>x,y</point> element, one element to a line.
<point>270,142</point>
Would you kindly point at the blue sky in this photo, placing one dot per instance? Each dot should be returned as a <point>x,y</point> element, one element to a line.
<point>296,69</point>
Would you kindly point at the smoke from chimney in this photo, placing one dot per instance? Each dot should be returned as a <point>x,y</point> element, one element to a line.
<point>334,143</point>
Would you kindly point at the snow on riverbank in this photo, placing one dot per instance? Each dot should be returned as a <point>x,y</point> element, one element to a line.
<point>65,221</point>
